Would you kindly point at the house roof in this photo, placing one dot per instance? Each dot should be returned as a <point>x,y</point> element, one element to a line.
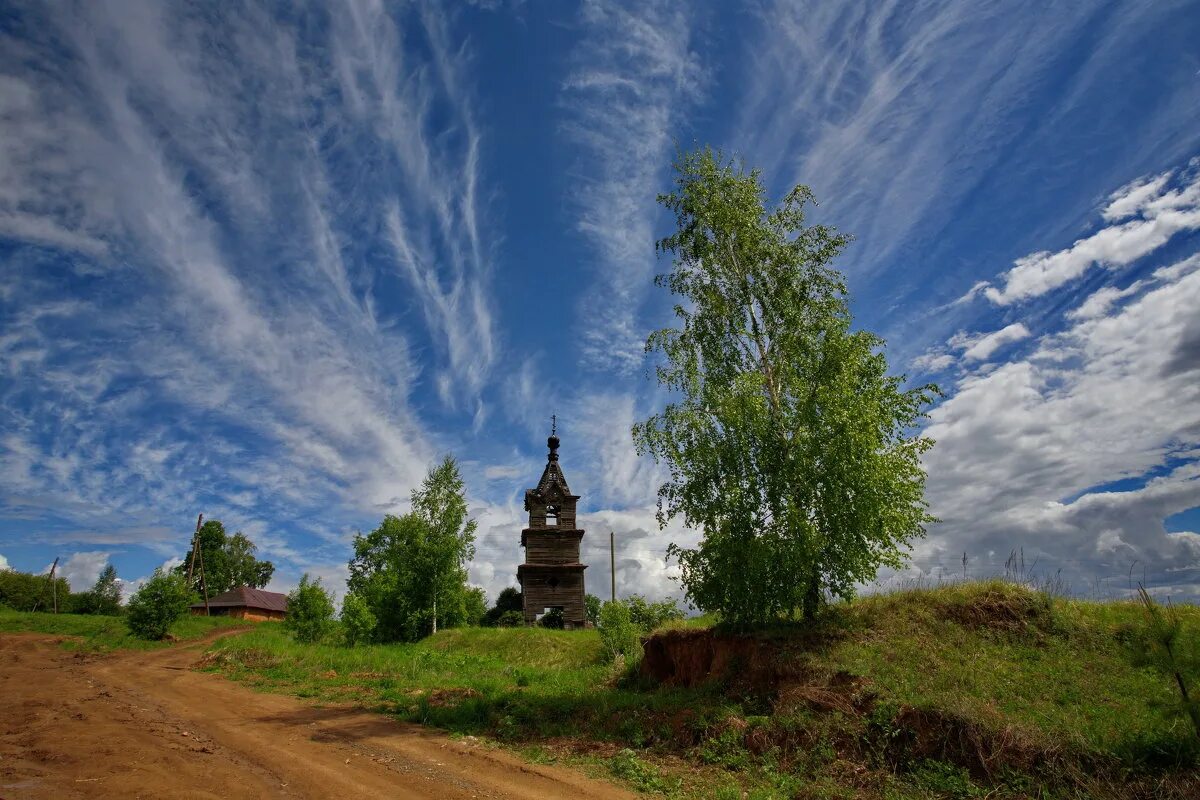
<point>250,598</point>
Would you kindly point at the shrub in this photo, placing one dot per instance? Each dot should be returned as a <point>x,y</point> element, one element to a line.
<point>1165,648</point>
<point>358,623</point>
<point>593,609</point>
<point>511,619</point>
<point>618,634</point>
<point>162,600</point>
<point>510,599</point>
<point>310,611</point>
<point>552,619</point>
<point>648,616</point>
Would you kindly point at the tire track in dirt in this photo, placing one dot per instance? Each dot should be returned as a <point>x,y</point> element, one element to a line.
<point>138,724</point>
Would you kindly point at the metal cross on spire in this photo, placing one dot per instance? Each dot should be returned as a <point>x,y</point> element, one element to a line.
<point>553,424</point>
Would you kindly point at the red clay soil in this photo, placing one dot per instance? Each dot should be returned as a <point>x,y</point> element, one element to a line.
<point>146,725</point>
<point>692,657</point>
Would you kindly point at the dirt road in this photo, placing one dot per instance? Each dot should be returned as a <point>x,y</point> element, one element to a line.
<point>145,725</point>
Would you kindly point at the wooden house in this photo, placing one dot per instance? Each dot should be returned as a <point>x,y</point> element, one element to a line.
<point>246,603</point>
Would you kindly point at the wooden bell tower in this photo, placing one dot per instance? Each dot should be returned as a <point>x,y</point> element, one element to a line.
<point>552,576</point>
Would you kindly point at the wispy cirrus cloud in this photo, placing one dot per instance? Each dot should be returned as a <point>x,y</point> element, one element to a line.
<point>227,336</point>
<point>929,133</point>
<point>637,72</point>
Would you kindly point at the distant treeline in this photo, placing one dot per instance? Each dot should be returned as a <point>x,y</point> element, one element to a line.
<point>24,591</point>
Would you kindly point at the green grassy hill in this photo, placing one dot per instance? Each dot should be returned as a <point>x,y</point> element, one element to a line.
<point>971,690</point>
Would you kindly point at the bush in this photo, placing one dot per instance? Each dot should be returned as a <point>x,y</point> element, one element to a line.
<point>475,605</point>
<point>510,599</point>
<point>358,623</point>
<point>511,619</point>
<point>162,600</point>
<point>310,611</point>
<point>103,598</point>
<point>552,619</point>
<point>618,634</point>
<point>648,616</point>
<point>593,609</point>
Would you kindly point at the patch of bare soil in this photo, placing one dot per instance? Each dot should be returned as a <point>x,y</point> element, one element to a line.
<point>146,725</point>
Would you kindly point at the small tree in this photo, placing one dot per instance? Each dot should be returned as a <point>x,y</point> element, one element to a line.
<point>509,600</point>
<point>510,619</point>
<point>1163,648</point>
<point>552,619</point>
<point>789,444</point>
<point>106,594</point>
<point>410,570</point>
<point>310,611</point>
<point>593,608</point>
<point>160,601</point>
<point>475,603</point>
<point>648,616</point>
<point>358,623</point>
<point>618,635</point>
<point>441,503</point>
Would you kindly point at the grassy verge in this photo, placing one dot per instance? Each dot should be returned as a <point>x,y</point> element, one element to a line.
<point>976,690</point>
<point>100,633</point>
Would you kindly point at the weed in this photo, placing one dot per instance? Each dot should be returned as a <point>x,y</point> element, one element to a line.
<point>948,780</point>
<point>640,775</point>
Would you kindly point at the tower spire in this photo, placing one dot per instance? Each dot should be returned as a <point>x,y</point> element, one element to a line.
<point>552,440</point>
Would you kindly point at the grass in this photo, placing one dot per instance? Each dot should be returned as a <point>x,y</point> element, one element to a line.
<point>970,690</point>
<point>102,633</point>
<point>964,691</point>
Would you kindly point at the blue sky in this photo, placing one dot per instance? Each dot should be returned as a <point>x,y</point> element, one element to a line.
<point>268,264</point>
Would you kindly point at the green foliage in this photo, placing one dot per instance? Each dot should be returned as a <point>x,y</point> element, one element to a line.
<point>947,780</point>
<point>648,616</point>
<point>410,570</point>
<point>161,600</point>
<point>509,600</point>
<point>623,623</point>
<point>552,619</point>
<point>358,623</point>
<point>1164,647</point>
<point>593,608</point>
<point>229,561</point>
<point>474,605</point>
<point>619,636</point>
<point>310,611</point>
<point>641,775</point>
<point>511,619</point>
<point>103,598</point>
<point>789,444</point>
<point>22,591</point>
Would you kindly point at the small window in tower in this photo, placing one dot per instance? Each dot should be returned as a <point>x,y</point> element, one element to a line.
<point>553,583</point>
<point>552,516</point>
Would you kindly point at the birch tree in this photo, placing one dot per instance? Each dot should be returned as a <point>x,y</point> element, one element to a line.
<point>788,443</point>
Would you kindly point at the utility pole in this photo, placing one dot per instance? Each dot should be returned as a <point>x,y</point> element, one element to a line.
<point>203,584</point>
<point>612,564</point>
<point>195,547</point>
<point>53,585</point>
